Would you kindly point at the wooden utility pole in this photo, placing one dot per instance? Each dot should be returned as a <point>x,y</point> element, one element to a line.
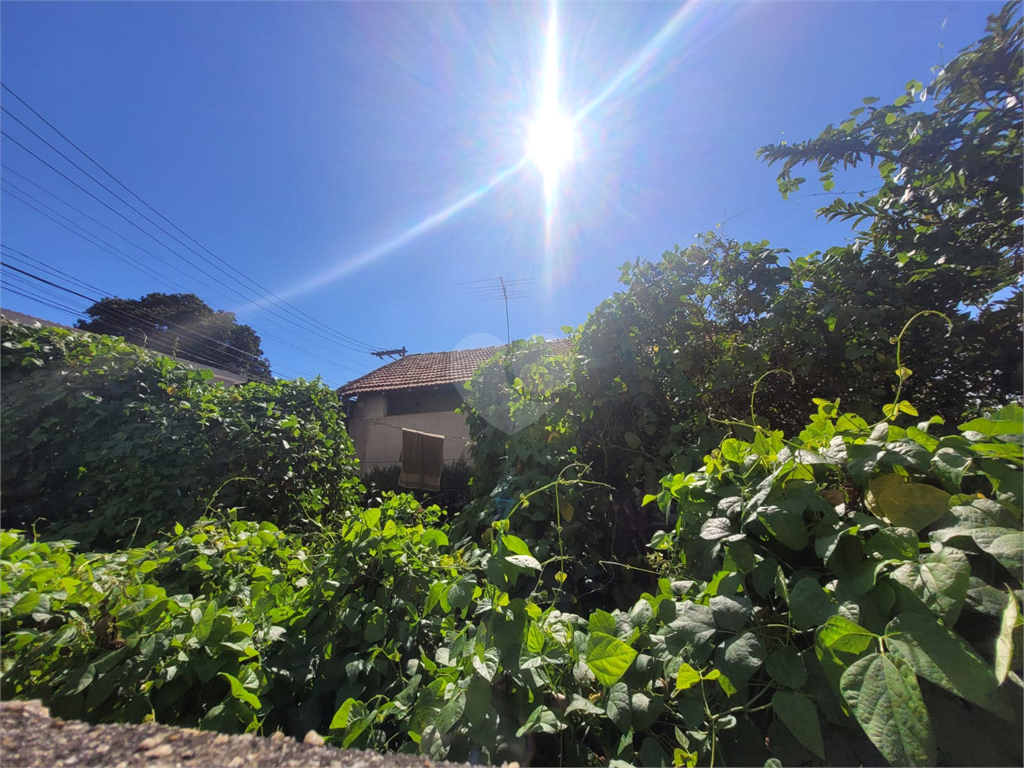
<point>390,353</point>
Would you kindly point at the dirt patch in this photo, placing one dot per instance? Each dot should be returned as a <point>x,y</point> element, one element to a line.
<point>30,737</point>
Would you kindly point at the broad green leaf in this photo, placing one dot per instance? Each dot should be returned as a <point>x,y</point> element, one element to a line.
<point>724,682</point>
<point>1004,643</point>
<point>993,427</point>
<point>345,714</point>
<point>940,580</point>
<point>800,715</point>
<point>731,613</point>
<point>435,538</point>
<point>693,623</point>
<point>884,696</point>
<point>205,623</point>
<point>1009,551</point>
<point>740,657</point>
<point>892,543</point>
<point>580,704</point>
<point>837,643</point>
<point>617,706</point>
<point>941,657</point>
<point>602,621</point>
<point>239,692</point>
<point>640,614</point>
<point>478,700</point>
<point>645,711</point>
<point>652,753</point>
<point>376,627</point>
<point>461,593</point>
<point>534,638</point>
<point>687,677</point>
<point>608,657</point>
<point>541,720</point>
<point>786,526</point>
<point>487,666</point>
<point>810,604</point>
<point>786,667</point>
<point>715,528</point>
<point>25,604</point>
<point>451,712</point>
<point>950,465</point>
<point>524,561</point>
<point>907,505</point>
<point>516,546</point>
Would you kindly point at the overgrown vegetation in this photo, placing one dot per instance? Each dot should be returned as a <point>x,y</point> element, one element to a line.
<point>105,443</point>
<point>454,493</point>
<point>664,562</point>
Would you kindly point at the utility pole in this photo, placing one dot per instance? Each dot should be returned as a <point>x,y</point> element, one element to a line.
<point>390,353</point>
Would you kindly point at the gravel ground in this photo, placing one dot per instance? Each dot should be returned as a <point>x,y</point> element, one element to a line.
<point>30,737</point>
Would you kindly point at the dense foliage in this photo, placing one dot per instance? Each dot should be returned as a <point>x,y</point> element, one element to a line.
<point>852,589</point>
<point>453,494</point>
<point>949,158</point>
<point>663,562</point>
<point>103,442</point>
<point>181,325</point>
<point>661,369</point>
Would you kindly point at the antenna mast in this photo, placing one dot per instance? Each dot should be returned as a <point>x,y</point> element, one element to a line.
<point>505,290</point>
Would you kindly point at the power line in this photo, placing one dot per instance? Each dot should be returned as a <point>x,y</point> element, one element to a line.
<point>237,355</point>
<point>277,299</point>
<point>118,253</point>
<point>263,334</point>
<point>102,244</point>
<point>195,358</point>
<point>148,234</point>
<point>137,211</point>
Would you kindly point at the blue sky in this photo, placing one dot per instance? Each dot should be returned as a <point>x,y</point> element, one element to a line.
<point>365,161</point>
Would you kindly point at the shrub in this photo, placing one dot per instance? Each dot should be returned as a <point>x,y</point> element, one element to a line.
<point>453,495</point>
<point>850,595</point>
<point>104,442</point>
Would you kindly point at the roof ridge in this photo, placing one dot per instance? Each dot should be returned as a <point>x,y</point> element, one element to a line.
<point>412,370</point>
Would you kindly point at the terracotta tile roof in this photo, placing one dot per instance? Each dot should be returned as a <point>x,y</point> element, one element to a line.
<point>429,369</point>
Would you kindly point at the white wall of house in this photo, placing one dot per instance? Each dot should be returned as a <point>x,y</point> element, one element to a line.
<point>378,437</point>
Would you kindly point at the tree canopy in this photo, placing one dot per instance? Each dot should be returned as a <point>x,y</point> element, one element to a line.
<point>666,367</point>
<point>182,325</point>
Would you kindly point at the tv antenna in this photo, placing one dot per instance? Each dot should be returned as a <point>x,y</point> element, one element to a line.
<point>493,288</point>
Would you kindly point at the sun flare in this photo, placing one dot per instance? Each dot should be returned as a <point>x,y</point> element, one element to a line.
<point>550,142</point>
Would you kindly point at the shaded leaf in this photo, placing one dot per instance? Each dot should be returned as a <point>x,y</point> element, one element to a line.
<point>786,667</point>
<point>940,580</point>
<point>941,657</point>
<point>617,706</point>
<point>884,697</point>
<point>800,715</point>
<point>907,505</point>
<point>810,604</point>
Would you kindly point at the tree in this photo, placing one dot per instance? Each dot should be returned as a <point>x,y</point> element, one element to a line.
<point>661,368</point>
<point>182,325</point>
<point>949,157</point>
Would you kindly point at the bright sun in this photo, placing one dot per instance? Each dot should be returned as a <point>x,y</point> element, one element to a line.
<point>550,142</point>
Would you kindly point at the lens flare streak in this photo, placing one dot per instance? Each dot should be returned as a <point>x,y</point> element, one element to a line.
<point>413,232</point>
<point>557,148</point>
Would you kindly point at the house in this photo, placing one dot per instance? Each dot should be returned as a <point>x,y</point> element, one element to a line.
<point>419,392</point>
<point>228,378</point>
